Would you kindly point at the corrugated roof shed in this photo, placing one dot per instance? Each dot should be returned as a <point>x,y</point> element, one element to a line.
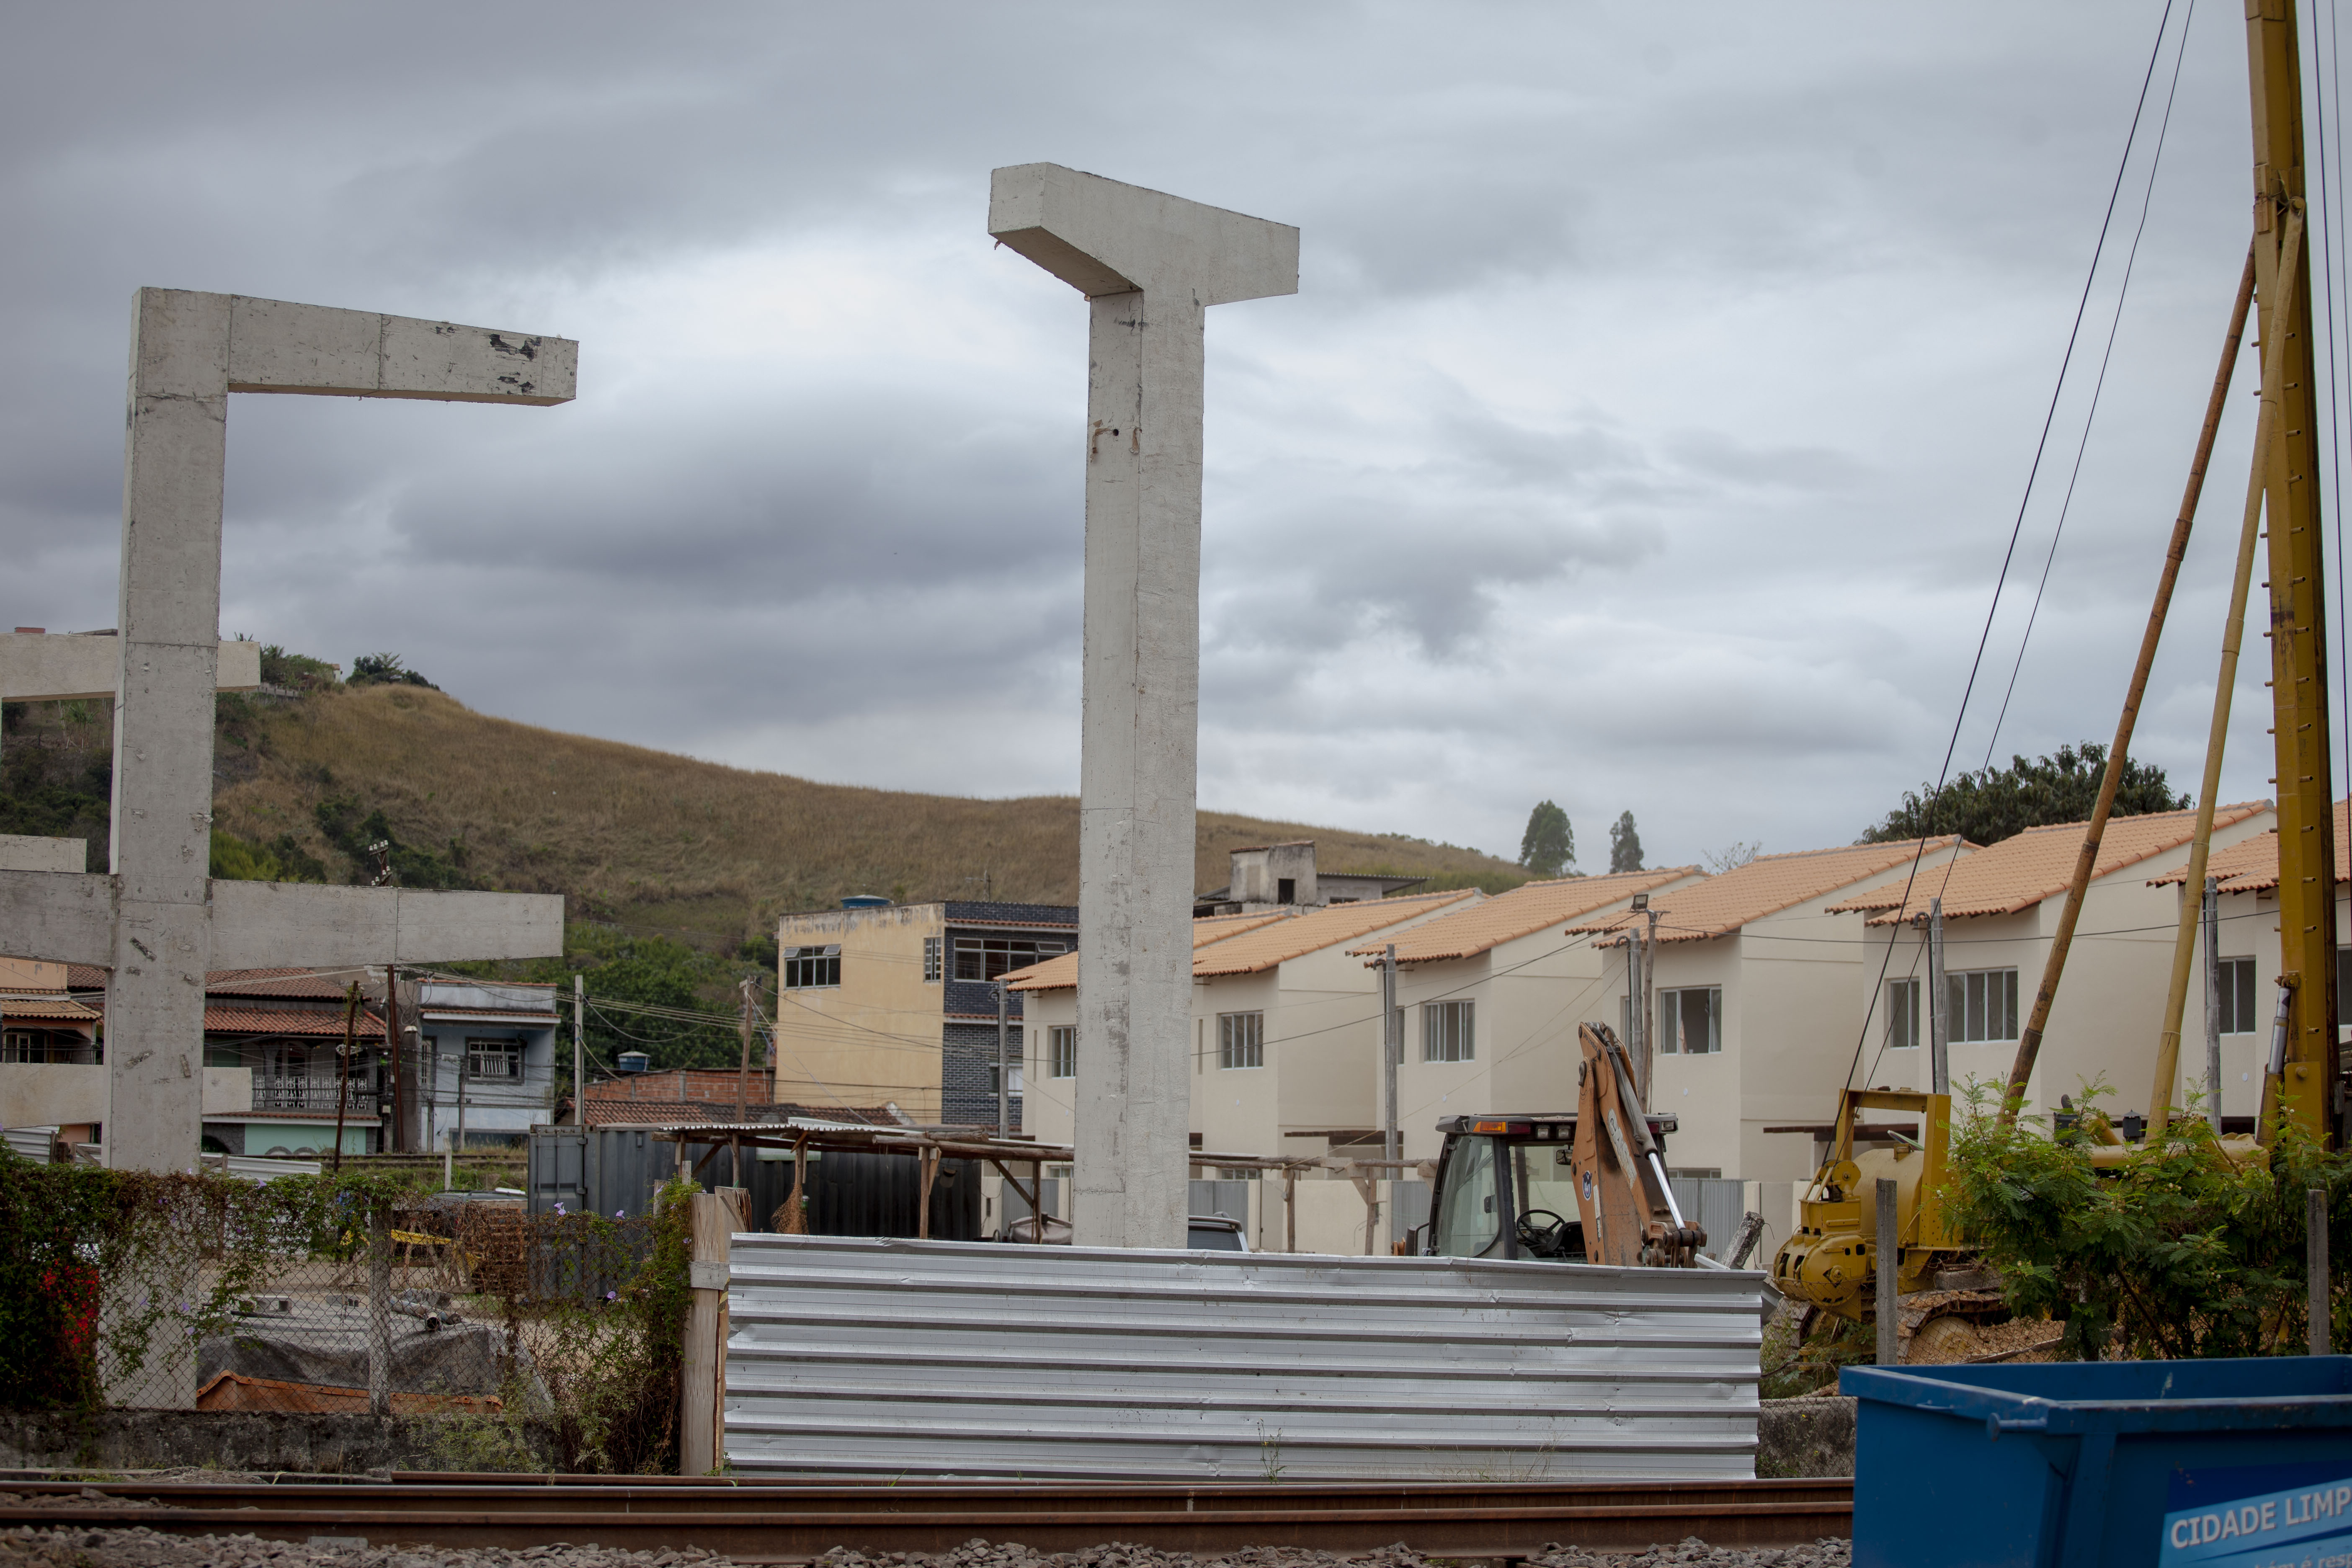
<point>1767,885</point>
<point>1522,911</point>
<point>2021,870</point>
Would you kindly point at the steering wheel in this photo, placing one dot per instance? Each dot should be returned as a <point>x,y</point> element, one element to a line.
<point>1543,1240</point>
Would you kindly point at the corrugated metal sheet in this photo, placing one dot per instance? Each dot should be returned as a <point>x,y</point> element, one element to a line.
<point>938,1359</point>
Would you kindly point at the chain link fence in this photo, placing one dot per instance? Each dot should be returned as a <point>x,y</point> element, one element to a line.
<point>526,1337</point>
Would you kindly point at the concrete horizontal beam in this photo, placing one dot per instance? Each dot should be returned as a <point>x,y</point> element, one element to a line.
<point>258,925</point>
<point>23,852</point>
<point>1104,237</point>
<point>316,349</point>
<point>35,668</point>
<point>65,918</point>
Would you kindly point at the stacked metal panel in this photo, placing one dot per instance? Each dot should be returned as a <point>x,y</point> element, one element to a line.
<point>944,1360</point>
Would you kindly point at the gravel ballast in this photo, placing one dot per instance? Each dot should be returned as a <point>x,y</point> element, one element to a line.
<point>140,1547</point>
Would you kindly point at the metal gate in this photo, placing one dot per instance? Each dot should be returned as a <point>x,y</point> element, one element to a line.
<point>942,1360</point>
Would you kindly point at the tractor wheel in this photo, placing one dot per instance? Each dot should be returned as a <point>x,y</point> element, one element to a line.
<point>1944,1341</point>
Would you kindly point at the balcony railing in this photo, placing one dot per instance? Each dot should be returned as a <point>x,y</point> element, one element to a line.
<point>307,1094</point>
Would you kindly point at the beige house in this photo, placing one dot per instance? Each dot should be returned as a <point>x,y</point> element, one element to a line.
<point>2001,907</point>
<point>895,1004</point>
<point>1491,996</point>
<point>1758,1000</point>
<point>1285,1027</point>
<point>2246,977</point>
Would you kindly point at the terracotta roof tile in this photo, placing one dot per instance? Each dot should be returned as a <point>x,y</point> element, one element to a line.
<point>48,1006</point>
<point>1244,944</point>
<point>1282,941</point>
<point>2021,870</point>
<point>1767,885</point>
<point>2251,865</point>
<point>1061,974</point>
<point>1522,911</point>
<point>227,1020</point>
<point>274,983</point>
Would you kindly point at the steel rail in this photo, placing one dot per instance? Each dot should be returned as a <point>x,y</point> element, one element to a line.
<point>781,1522</point>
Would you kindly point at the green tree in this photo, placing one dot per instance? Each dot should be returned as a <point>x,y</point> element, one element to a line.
<point>1547,848</point>
<point>386,669</point>
<point>1993,803</point>
<point>1624,845</point>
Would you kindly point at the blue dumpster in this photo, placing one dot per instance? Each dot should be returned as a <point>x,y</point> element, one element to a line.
<point>2218,1464</point>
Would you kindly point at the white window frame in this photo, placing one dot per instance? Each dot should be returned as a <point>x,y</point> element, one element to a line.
<point>1980,1007</point>
<point>1449,1031</point>
<point>809,968</point>
<point>1062,1052</point>
<point>934,959</point>
<point>1240,1041</point>
<point>480,1048</point>
<point>1903,1031</point>
<point>2238,983</point>
<point>1671,1040</point>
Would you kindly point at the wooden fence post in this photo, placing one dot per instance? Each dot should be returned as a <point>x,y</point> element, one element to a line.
<point>702,1402</point>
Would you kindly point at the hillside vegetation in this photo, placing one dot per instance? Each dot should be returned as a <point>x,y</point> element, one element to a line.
<point>655,842</point>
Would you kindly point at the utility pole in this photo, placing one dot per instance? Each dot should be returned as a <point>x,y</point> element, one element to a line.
<point>1637,1006</point>
<point>396,1046</point>
<point>1003,1067</point>
<point>464,1067</point>
<point>743,1079</point>
<point>2297,575</point>
<point>2211,916</point>
<point>1939,1020</point>
<point>1392,1052</point>
<point>579,1049</point>
<point>343,1070</point>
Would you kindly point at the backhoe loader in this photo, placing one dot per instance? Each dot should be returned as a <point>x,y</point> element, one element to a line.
<point>1585,1186</point>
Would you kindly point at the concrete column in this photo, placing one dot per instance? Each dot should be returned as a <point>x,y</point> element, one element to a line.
<point>1150,265</point>
<point>175,454</point>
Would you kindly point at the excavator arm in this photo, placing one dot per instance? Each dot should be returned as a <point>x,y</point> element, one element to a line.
<point>1629,1210</point>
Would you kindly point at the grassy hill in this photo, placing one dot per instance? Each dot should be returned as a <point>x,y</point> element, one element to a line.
<point>653,842</point>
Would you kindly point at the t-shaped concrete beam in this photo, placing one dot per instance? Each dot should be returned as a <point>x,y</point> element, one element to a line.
<point>1150,265</point>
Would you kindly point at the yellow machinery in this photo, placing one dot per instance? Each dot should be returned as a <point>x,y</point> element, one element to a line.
<point>1830,1263</point>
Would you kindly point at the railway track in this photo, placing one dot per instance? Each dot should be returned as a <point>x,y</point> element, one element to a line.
<point>771,1521</point>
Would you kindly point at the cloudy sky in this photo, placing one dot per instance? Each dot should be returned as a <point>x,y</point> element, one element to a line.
<point>1646,431</point>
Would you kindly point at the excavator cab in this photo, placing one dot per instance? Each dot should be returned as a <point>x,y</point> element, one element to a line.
<point>1530,1186</point>
<point>1506,1188</point>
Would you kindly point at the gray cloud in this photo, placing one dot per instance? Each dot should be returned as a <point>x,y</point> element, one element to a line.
<point>1646,432</point>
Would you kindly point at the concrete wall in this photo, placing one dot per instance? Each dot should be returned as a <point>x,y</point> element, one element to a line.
<point>51,1094</point>
<point>251,1441</point>
<point>228,1091</point>
<point>876,1037</point>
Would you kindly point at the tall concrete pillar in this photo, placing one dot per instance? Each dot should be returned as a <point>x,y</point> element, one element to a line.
<point>1150,265</point>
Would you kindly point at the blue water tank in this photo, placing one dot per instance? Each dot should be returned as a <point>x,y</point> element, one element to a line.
<point>633,1061</point>
<point>864,901</point>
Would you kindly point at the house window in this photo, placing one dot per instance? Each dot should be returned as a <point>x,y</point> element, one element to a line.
<point>989,957</point>
<point>933,964</point>
<point>22,1045</point>
<point>1286,890</point>
<point>1902,1015</point>
<point>1690,1021</point>
<point>2240,995</point>
<point>1981,1004</point>
<point>1062,1046</point>
<point>494,1060</point>
<point>1241,1039</point>
<point>1016,1079</point>
<point>1448,1032</point>
<point>808,968</point>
